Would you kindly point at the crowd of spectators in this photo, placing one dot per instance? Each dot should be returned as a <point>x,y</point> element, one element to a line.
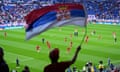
<point>15,10</point>
<point>11,12</point>
<point>107,9</point>
<point>91,67</point>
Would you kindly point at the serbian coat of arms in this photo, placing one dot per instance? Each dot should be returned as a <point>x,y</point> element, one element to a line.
<point>63,13</point>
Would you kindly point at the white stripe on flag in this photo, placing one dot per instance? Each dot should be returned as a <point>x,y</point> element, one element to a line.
<point>80,21</point>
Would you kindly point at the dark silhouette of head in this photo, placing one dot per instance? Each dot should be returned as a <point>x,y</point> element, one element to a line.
<point>54,55</point>
<point>101,62</point>
<point>26,68</point>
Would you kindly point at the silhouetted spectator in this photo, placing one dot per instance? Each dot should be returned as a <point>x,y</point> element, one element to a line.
<point>3,65</point>
<point>91,67</point>
<point>56,66</point>
<point>101,66</point>
<point>26,69</point>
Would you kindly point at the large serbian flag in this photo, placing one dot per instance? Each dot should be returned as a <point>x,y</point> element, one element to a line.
<point>48,17</point>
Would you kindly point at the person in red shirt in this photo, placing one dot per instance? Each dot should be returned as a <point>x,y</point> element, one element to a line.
<point>86,39</point>
<point>68,49</point>
<point>38,48</point>
<point>48,44</point>
<point>56,66</point>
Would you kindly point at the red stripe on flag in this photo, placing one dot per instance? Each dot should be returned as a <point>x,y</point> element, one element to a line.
<point>35,14</point>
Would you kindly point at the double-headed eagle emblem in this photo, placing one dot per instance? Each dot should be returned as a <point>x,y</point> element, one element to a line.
<point>63,13</point>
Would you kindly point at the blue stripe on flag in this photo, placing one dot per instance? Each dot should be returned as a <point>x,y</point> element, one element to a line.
<point>51,16</point>
<point>77,13</point>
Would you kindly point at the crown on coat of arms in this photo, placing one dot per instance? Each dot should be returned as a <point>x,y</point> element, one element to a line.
<point>62,7</point>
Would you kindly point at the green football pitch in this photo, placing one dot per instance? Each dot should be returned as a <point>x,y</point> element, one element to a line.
<point>96,49</point>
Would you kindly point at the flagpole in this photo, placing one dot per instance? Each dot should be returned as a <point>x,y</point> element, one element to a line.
<point>85,25</point>
<point>84,36</point>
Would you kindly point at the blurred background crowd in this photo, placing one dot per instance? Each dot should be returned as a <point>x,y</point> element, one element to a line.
<point>15,10</point>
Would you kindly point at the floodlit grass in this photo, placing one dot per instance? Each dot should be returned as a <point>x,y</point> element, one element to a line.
<point>95,50</point>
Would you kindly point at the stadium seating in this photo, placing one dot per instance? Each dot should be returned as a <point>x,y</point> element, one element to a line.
<point>13,10</point>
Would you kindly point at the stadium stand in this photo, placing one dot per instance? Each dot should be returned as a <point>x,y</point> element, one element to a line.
<point>15,10</point>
